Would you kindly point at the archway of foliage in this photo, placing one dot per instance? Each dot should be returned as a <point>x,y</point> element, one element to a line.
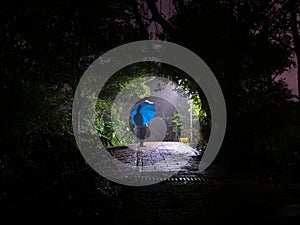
<point>184,86</point>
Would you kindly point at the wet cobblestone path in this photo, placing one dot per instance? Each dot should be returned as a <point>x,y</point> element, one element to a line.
<point>212,197</point>
<point>175,153</point>
<point>181,199</point>
<point>189,197</point>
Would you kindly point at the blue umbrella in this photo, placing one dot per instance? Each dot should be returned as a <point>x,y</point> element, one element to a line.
<point>143,113</point>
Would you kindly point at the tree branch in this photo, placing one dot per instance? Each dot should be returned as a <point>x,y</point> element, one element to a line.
<point>138,17</point>
<point>157,17</point>
<point>179,6</point>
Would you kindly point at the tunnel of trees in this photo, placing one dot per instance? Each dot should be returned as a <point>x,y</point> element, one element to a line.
<point>139,82</point>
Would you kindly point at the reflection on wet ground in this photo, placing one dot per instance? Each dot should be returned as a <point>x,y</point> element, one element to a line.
<point>215,196</point>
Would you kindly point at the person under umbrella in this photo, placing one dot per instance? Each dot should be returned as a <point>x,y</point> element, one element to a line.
<point>141,116</point>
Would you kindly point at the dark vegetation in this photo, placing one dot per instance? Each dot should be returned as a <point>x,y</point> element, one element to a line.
<point>46,46</point>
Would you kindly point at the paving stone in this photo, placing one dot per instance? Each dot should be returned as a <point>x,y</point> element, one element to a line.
<point>178,156</point>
